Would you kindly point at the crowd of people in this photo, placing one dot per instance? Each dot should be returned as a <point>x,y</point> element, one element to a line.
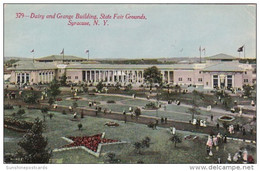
<point>214,141</point>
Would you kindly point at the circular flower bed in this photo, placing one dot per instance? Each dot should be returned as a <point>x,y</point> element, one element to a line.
<point>226,118</point>
<point>90,142</point>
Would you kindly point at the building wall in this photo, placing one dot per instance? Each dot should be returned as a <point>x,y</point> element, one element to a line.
<point>207,80</point>
<point>74,75</point>
<point>12,79</point>
<point>184,77</point>
<point>247,77</point>
<point>187,76</point>
<point>238,80</point>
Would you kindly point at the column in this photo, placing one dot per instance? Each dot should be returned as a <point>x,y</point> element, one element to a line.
<point>16,75</point>
<point>24,77</point>
<point>226,81</point>
<point>233,81</point>
<point>169,77</point>
<point>104,75</point>
<point>51,75</point>
<point>123,76</point>
<point>48,78</point>
<point>90,76</point>
<point>99,76</point>
<point>117,76</point>
<point>163,78</point>
<point>142,76</point>
<point>95,76</point>
<point>113,78</point>
<point>218,81</point>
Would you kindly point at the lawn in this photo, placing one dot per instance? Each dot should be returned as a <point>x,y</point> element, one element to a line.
<point>161,149</point>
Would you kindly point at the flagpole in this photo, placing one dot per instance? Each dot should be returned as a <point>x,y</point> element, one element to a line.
<point>200,54</point>
<point>244,51</point>
<point>63,57</point>
<point>88,55</point>
<point>33,56</point>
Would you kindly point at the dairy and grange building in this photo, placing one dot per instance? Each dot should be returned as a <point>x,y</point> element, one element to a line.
<point>221,71</point>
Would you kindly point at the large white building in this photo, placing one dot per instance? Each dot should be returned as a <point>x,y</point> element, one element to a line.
<point>221,71</point>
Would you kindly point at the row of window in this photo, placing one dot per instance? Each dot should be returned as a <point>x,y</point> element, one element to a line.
<point>189,79</point>
<point>45,73</point>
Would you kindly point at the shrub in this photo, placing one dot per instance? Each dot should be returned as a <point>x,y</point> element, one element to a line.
<point>79,126</point>
<point>151,105</point>
<point>8,106</point>
<point>64,112</point>
<point>44,110</point>
<point>51,115</point>
<point>111,101</point>
<point>20,112</point>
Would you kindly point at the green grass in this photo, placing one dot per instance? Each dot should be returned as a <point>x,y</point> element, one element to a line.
<point>161,149</point>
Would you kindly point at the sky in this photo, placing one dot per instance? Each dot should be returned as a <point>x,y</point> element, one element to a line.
<point>169,30</point>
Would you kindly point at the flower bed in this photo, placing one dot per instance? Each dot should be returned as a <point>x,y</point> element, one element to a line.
<point>90,142</point>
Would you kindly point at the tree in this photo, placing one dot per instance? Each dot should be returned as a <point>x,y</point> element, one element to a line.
<point>128,87</point>
<point>75,105</point>
<point>247,90</point>
<point>118,85</point>
<point>51,115</point>
<point>30,97</point>
<point>20,112</point>
<point>137,112</point>
<point>53,89</point>
<point>145,143</point>
<point>63,80</point>
<point>33,145</point>
<point>152,75</point>
<point>100,86</point>
<point>194,109</point>
<point>80,126</point>
<point>51,101</point>
<point>175,139</point>
<point>138,147</point>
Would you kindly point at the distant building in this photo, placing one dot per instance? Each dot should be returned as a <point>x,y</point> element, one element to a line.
<point>60,58</point>
<point>221,71</point>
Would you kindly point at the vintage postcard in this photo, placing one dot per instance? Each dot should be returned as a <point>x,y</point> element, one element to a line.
<point>130,84</point>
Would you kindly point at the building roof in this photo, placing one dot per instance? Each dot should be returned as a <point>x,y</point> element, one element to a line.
<point>226,66</point>
<point>59,58</point>
<point>220,56</point>
<point>128,66</point>
<point>29,65</point>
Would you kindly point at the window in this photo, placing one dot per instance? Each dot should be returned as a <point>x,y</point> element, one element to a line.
<point>189,79</point>
<point>246,80</point>
<point>76,77</point>
<point>200,79</point>
<point>245,72</point>
<point>180,79</point>
<point>215,81</point>
<point>199,72</point>
<point>229,81</point>
<point>69,77</point>
<point>207,83</point>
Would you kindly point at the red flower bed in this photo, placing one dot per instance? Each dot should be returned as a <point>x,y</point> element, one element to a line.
<point>90,142</point>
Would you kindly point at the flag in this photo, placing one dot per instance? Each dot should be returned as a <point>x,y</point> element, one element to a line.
<point>87,51</point>
<point>62,52</point>
<point>32,51</point>
<point>240,49</point>
<point>203,49</point>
